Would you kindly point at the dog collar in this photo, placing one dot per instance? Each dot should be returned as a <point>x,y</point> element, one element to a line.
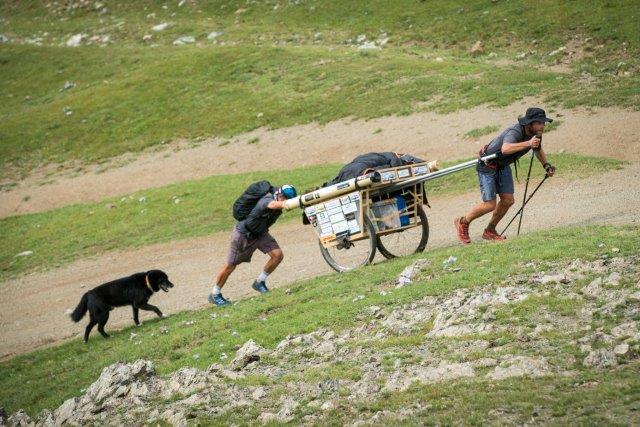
<point>146,280</point>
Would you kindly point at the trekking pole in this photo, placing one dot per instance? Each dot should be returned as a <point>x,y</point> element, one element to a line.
<point>526,187</point>
<point>525,203</point>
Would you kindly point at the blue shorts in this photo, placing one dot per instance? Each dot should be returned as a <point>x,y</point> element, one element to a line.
<point>495,181</point>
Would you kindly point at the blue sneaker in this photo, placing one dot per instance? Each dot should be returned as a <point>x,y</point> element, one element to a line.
<point>218,300</point>
<point>260,287</point>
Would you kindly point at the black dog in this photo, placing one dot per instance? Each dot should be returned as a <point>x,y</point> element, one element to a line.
<point>134,290</point>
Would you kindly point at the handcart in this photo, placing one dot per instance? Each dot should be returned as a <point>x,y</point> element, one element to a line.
<point>381,211</point>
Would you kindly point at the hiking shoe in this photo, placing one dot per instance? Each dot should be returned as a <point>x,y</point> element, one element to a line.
<point>492,235</point>
<point>462,230</point>
<point>260,287</point>
<point>218,300</point>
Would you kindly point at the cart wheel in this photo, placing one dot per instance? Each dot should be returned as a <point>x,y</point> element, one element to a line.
<point>358,254</point>
<point>407,242</point>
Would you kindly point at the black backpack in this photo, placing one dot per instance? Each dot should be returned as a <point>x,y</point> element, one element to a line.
<point>244,204</point>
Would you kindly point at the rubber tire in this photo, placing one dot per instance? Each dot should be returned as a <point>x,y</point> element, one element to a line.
<point>423,241</point>
<point>373,241</point>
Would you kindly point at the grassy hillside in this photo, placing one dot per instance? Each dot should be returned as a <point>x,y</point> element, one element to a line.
<point>45,378</point>
<point>281,63</point>
<point>203,207</point>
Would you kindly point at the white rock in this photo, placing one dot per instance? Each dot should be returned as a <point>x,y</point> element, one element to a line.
<point>267,417</point>
<point>328,405</point>
<point>68,85</point>
<point>147,38</point>
<point>248,353</point>
<point>24,253</point>
<point>613,279</point>
<point>477,48</point>
<point>160,27</point>
<point>625,330</point>
<point>561,49</point>
<point>258,393</point>
<point>447,262</point>
<point>600,358</point>
<point>75,40</point>
<point>593,289</point>
<point>621,349</point>
<point>519,366</point>
<point>4,39</point>
<point>214,35</point>
<point>368,46</point>
<point>184,40</point>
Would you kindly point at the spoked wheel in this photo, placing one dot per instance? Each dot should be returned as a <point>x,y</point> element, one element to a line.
<point>351,255</point>
<point>406,242</point>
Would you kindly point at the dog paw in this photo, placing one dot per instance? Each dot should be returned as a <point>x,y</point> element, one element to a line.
<point>138,324</point>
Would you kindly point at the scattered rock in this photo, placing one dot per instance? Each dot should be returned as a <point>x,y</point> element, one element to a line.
<point>447,262</point>
<point>147,38</point>
<point>67,85</point>
<point>518,366</point>
<point>368,46</point>
<point>267,417</point>
<point>358,298</point>
<point>328,405</point>
<point>4,39</point>
<point>20,418</point>
<point>625,330</point>
<point>248,353</point>
<point>477,49</point>
<point>621,349</point>
<point>184,40</point>
<point>258,393</point>
<point>407,274</point>
<point>375,311</point>
<point>561,49</point>
<point>601,358</point>
<point>214,35</point>
<point>175,418</point>
<point>593,289</point>
<point>289,406</point>
<point>24,254</point>
<point>613,279</point>
<point>400,381</point>
<point>160,27</point>
<point>75,40</point>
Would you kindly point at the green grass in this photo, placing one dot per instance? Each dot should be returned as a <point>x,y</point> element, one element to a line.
<point>45,378</point>
<point>147,99</point>
<point>130,96</point>
<point>478,132</point>
<point>63,235</point>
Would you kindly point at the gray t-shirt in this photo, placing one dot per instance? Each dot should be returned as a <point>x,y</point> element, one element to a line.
<point>512,134</point>
<point>260,218</point>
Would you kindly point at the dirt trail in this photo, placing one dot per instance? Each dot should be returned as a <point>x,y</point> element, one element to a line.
<point>32,310</point>
<point>604,132</point>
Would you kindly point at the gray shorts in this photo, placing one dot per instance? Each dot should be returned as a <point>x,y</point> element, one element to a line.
<point>495,181</point>
<point>242,248</point>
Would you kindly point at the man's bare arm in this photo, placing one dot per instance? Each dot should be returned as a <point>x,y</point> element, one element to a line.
<point>514,147</point>
<point>276,205</point>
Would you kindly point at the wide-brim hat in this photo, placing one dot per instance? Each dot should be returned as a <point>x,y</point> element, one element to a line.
<point>534,114</point>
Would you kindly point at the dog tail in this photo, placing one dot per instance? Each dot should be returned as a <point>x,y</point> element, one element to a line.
<point>81,309</point>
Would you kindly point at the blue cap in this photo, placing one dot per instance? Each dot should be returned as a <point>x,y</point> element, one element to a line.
<point>288,191</point>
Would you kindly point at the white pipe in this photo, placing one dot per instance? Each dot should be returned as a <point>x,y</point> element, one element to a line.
<point>332,191</point>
